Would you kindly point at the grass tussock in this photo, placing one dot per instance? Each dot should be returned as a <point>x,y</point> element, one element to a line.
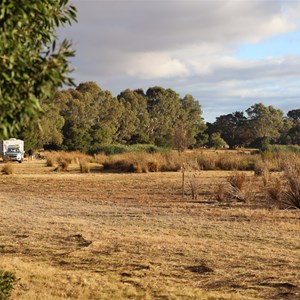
<point>275,189</point>
<point>221,192</point>
<point>284,190</point>
<point>238,188</point>
<point>194,186</point>
<point>61,160</point>
<point>291,196</point>
<point>8,169</point>
<point>172,161</point>
<point>84,166</point>
<point>131,162</point>
<point>7,280</point>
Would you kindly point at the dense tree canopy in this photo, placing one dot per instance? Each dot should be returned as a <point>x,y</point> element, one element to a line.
<point>234,129</point>
<point>266,121</point>
<point>87,117</point>
<point>260,126</point>
<point>31,65</point>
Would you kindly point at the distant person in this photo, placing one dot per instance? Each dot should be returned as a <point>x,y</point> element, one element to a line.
<point>30,154</point>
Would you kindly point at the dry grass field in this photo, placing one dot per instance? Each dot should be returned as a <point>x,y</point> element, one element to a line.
<point>101,235</point>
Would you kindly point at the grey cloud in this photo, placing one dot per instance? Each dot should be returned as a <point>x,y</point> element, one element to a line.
<point>185,45</point>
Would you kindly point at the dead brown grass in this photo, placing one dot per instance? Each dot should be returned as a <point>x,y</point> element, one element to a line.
<point>132,236</point>
<point>8,169</point>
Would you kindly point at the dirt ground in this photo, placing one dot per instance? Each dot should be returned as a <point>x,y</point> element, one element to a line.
<point>68,235</point>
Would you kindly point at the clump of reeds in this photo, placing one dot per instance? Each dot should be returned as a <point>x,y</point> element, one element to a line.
<point>63,165</point>
<point>291,196</point>
<point>100,158</point>
<point>221,192</point>
<point>237,180</point>
<point>262,168</point>
<point>285,190</point>
<point>237,187</point>
<point>61,159</point>
<point>132,162</point>
<point>194,186</point>
<point>8,169</point>
<point>84,166</point>
<point>51,158</point>
<point>275,189</point>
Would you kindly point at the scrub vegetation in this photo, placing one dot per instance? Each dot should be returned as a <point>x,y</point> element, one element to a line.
<point>107,234</point>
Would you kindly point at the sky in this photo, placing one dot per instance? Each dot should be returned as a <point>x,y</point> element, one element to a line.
<point>228,54</point>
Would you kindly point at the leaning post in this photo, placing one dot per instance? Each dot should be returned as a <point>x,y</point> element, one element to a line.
<point>182,179</point>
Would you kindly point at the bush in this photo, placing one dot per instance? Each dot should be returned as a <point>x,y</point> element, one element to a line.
<point>291,197</point>
<point>63,164</point>
<point>51,159</point>
<point>285,191</point>
<point>8,169</point>
<point>84,166</point>
<point>120,149</point>
<point>7,279</point>
<point>275,190</point>
<point>236,187</point>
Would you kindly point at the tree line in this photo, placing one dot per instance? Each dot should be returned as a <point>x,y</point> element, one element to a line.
<point>257,127</point>
<point>87,117</point>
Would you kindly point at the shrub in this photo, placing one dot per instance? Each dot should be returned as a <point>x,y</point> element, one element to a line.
<point>221,192</point>
<point>84,166</point>
<point>236,188</point>
<point>261,168</point>
<point>194,186</point>
<point>51,158</point>
<point>8,169</point>
<point>119,149</point>
<point>205,162</point>
<point>275,190</point>
<point>100,158</point>
<point>291,197</point>
<point>7,279</point>
<point>237,180</point>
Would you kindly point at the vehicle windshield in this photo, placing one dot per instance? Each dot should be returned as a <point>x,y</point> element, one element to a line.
<point>13,150</point>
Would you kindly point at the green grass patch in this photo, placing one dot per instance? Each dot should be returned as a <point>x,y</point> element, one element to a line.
<point>119,149</point>
<point>7,280</point>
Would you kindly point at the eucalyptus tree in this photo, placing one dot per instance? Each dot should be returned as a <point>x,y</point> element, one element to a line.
<point>47,130</point>
<point>293,132</point>
<point>32,66</point>
<point>234,129</point>
<point>189,124</point>
<point>265,121</point>
<point>135,119</point>
<point>164,107</point>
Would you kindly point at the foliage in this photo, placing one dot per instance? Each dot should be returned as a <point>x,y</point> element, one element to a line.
<point>163,106</point>
<point>88,118</point>
<point>135,120</point>
<point>234,129</point>
<point>46,130</point>
<point>283,149</point>
<point>290,133</point>
<point>31,65</point>
<point>266,122</point>
<point>118,149</point>
<point>216,141</point>
<point>7,279</point>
